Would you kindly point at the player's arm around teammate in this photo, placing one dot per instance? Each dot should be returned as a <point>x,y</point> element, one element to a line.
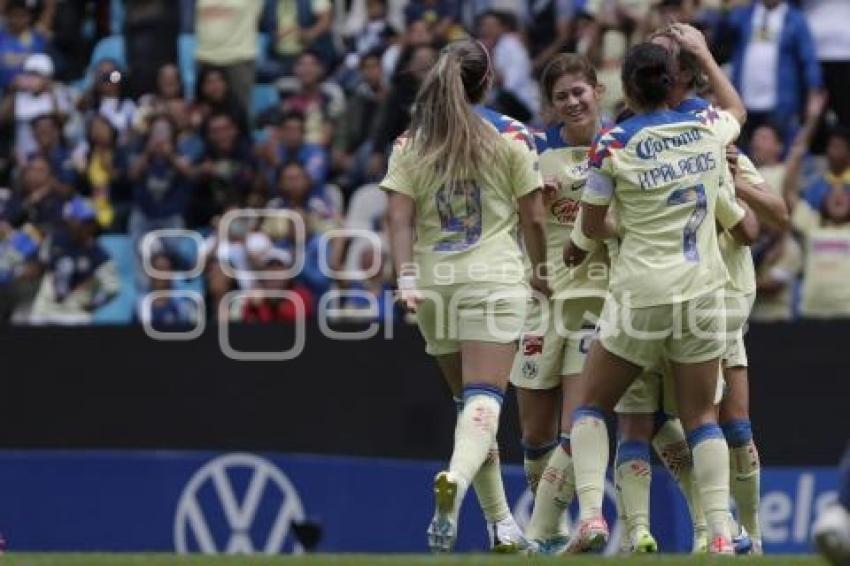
<point>458,179</point>
<point>668,269</point>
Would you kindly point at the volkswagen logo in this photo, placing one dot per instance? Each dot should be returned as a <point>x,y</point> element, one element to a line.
<point>237,504</point>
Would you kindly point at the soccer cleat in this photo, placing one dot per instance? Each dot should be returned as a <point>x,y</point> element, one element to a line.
<point>831,535</point>
<point>506,537</point>
<point>721,545</point>
<point>742,542</point>
<point>591,535</point>
<point>700,541</point>
<point>553,546</point>
<point>643,542</point>
<point>442,532</point>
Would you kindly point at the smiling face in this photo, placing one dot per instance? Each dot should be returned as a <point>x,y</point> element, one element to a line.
<point>576,101</point>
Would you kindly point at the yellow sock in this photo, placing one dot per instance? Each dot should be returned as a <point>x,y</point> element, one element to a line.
<point>589,439</point>
<point>475,433</point>
<point>671,445</point>
<point>711,471</point>
<point>554,494</point>
<point>489,487</point>
<point>535,460</point>
<point>633,477</point>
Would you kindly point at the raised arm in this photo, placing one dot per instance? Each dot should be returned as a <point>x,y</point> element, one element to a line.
<point>692,40</point>
<point>800,147</point>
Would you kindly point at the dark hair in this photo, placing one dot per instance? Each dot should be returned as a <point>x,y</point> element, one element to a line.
<point>97,117</point>
<point>215,115</point>
<point>566,64</point>
<point>774,128</point>
<point>647,75</point>
<point>314,54</point>
<point>506,19</point>
<point>292,115</point>
<point>841,132</point>
<point>202,77</point>
<point>50,117</point>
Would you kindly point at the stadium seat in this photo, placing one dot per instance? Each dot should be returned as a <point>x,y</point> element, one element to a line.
<point>186,62</point>
<point>120,309</point>
<point>263,97</point>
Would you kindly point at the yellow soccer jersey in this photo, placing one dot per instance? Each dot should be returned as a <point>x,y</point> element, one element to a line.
<point>662,172</point>
<point>468,232</point>
<point>566,168</point>
<point>738,258</point>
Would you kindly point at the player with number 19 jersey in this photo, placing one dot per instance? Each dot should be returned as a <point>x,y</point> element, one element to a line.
<point>662,172</point>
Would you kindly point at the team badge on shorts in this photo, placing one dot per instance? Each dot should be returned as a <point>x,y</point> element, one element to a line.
<point>532,348</point>
<point>530,369</point>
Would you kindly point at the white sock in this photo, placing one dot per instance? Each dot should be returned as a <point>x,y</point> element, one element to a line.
<point>589,440</point>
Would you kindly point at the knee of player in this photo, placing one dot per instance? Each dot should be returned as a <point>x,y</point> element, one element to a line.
<point>635,427</point>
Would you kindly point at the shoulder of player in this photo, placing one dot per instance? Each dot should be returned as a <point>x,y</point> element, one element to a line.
<point>508,128</point>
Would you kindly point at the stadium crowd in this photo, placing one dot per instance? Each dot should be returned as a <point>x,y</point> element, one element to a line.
<point>121,118</point>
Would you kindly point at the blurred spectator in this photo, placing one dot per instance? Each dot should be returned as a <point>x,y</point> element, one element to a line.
<point>287,143</point>
<point>38,199</point>
<point>299,25</point>
<point>826,234</point>
<point>321,102</point>
<point>226,32</point>
<point>766,149</point>
<point>79,276</point>
<point>295,192</point>
<point>108,98</point>
<point>32,94</point>
<point>256,307</point>
<point>369,36</point>
<point>774,63</point>
<point>549,29</point>
<point>189,142</point>
<point>161,189</point>
<point>168,88</point>
<point>215,96</point>
<point>364,104</point>
<point>414,64</point>
<point>442,17</point>
<point>227,173</point>
<point>150,30</point>
<point>837,175</point>
<point>515,93</point>
<point>50,144</point>
<point>828,21</point>
<point>166,311</point>
<point>613,54</point>
<point>397,56</point>
<point>18,267</point>
<point>373,291</point>
<point>366,211</point>
<point>779,262</point>
<point>101,166</point>
<point>626,15</point>
<point>18,40</point>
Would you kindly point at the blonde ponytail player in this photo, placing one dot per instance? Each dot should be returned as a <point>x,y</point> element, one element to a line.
<point>461,181</point>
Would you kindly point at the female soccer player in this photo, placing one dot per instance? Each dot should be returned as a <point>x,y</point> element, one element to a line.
<point>663,171</point>
<point>554,343</point>
<point>460,177</point>
<point>637,422</point>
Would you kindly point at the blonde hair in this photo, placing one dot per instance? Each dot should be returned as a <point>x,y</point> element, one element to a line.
<point>446,134</point>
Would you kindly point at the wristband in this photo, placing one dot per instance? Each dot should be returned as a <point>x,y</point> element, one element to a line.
<point>581,241</point>
<point>406,283</point>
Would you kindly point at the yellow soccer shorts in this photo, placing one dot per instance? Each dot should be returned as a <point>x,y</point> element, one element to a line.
<point>654,390</point>
<point>692,331</point>
<point>738,309</point>
<point>555,341</point>
<point>485,312</point>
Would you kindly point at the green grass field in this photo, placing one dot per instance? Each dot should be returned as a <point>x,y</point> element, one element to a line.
<point>384,560</point>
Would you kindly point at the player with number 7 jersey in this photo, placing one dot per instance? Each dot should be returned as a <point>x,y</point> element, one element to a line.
<point>661,172</point>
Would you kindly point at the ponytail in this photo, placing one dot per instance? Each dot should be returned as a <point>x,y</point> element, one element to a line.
<point>447,135</point>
